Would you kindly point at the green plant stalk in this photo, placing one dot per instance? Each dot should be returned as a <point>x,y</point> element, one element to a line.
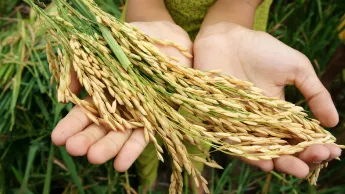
<point>48,176</point>
<point>72,169</point>
<point>32,152</point>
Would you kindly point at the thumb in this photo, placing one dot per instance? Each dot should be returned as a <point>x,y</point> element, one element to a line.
<point>317,96</point>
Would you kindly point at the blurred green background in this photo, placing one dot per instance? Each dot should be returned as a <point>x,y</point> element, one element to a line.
<point>29,163</point>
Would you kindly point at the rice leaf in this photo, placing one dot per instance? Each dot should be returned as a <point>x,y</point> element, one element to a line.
<point>2,179</point>
<point>47,180</point>
<point>32,152</point>
<point>115,47</point>
<point>225,176</point>
<point>71,168</point>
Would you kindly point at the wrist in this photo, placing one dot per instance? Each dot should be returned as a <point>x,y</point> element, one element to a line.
<point>147,11</point>
<point>239,12</point>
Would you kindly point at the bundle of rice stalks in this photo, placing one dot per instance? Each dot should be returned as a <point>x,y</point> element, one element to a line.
<point>133,85</point>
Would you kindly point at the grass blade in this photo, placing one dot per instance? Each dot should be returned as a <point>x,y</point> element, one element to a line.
<point>225,176</point>
<point>32,152</point>
<point>319,8</point>
<point>47,180</point>
<point>2,180</point>
<point>17,174</point>
<point>72,169</point>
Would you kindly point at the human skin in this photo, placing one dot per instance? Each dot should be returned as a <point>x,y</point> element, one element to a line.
<point>269,64</point>
<point>239,51</point>
<point>81,136</point>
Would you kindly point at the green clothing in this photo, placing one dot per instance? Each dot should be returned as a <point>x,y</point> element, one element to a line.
<point>188,14</point>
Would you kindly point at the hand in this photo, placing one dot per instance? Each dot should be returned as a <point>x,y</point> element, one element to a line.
<point>82,137</point>
<point>271,65</point>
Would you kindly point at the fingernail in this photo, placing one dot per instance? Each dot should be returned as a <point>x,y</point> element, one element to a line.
<point>317,161</point>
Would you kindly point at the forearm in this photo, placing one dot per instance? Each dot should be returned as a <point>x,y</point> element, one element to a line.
<point>240,12</point>
<point>147,11</point>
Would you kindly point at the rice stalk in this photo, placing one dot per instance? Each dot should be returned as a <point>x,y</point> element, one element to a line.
<point>133,84</point>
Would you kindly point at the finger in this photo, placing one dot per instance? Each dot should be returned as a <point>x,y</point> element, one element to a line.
<point>335,151</point>
<point>315,154</point>
<point>79,143</point>
<point>174,33</point>
<point>74,85</point>
<point>265,165</point>
<point>281,95</point>
<point>132,149</point>
<point>108,147</point>
<point>74,122</point>
<point>319,99</point>
<point>291,165</point>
